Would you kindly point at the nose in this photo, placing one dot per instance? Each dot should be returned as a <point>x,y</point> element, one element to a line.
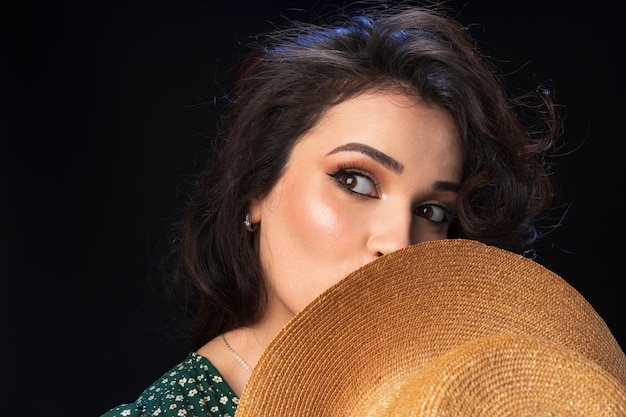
<point>391,233</point>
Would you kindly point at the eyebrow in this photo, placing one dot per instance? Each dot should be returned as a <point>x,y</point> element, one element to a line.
<point>446,186</point>
<point>382,158</point>
<point>390,163</point>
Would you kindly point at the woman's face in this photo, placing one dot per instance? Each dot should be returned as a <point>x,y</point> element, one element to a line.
<point>377,173</point>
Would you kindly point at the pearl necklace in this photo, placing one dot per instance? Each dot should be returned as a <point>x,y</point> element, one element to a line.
<point>235,354</point>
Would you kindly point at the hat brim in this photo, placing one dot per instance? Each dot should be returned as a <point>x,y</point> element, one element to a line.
<point>380,327</point>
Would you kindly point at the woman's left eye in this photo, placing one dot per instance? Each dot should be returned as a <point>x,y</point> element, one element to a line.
<point>435,213</point>
<point>357,183</point>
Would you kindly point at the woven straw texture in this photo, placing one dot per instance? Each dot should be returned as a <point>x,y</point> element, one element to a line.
<point>443,328</point>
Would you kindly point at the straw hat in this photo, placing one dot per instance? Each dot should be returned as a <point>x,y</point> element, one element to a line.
<point>442,328</point>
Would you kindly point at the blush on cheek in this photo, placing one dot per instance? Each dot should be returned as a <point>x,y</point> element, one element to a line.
<point>326,224</point>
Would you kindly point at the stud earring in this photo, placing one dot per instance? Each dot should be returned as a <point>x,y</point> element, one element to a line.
<point>249,226</point>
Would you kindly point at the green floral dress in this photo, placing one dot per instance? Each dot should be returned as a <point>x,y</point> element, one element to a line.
<point>193,388</point>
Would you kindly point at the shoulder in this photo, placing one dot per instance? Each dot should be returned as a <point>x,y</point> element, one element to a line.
<point>193,388</point>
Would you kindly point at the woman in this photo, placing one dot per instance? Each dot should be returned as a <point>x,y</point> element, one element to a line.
<point>345,141</point>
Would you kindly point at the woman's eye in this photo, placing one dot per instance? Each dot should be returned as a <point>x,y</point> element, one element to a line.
<point>356,183</point>
<point>435,213</point>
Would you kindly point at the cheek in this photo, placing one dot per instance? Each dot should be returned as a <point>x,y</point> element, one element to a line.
<point>323,221</point>
<point>315,229</point>
<point>324,245</point>
<point>309,221</point>
<point>322,218</point>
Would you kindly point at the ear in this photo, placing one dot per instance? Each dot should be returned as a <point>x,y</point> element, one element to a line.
<point>254,210</point>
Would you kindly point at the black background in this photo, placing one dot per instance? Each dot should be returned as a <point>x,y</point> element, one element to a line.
<point>98,137</point>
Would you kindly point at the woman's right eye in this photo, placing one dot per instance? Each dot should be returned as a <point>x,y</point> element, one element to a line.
<point>357,183</point>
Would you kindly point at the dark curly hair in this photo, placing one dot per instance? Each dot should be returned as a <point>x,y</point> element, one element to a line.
<point>288,80</point>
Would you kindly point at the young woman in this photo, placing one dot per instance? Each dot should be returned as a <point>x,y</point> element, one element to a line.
<point>379,128</point>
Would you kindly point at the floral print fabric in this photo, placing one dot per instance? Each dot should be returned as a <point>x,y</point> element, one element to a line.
<point>193,388</point>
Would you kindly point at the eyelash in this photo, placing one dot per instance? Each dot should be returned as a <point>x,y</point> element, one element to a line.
<point>449,214</point>
<point>346,171</point>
